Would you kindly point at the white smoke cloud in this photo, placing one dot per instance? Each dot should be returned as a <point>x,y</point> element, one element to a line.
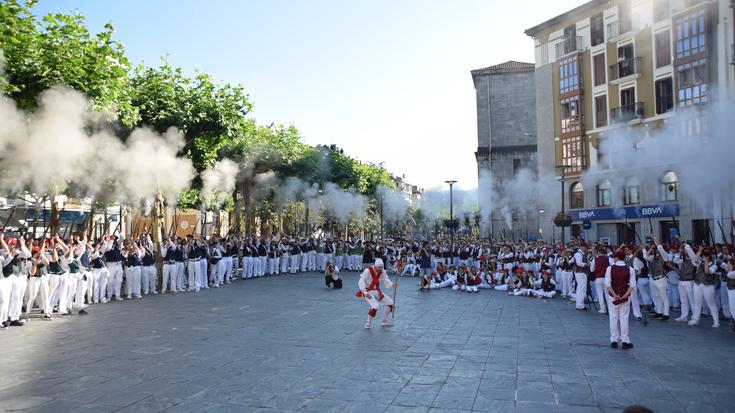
<point>219,180</point>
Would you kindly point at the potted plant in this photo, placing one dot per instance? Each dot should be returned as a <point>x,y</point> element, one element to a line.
<point>562,220</point>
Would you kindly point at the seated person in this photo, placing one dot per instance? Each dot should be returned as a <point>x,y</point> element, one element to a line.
<point>546,286</point>
<point>472,280</point>
<point>461,283</point>
<point>331,276</point>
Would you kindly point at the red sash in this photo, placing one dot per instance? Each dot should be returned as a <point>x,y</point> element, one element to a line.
<point>374,285</point>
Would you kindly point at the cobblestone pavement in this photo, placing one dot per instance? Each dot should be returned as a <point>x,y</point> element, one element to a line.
<point>286,343</point>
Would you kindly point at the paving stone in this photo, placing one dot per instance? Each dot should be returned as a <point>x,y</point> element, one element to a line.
<point>286,344</point>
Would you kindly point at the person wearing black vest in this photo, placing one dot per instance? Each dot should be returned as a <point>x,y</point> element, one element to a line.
<point>621,283</point>
<point>304,261</point>
<point>149,274</point>
<point>216,275</point>
<point>704,287</point>
<point>203,262</point>
<point>180,259</point>
<point>295,254</point>
<point>133,256</point>
<point>7,256</point>
<point>262,257</point>
<point>99,273</point>
<point>38,286</point>
<point>581,272</point>
<point>77,277</point>
<point>657,258</point>
<point>168,251</point>
<point>193,255</point>
<point>564,265</point>
<point>643,285</point>
<point>685,263</point>
<point>113,259</point>
<point>545,287</point>
<point>14,280</point>
<point>59,277</point>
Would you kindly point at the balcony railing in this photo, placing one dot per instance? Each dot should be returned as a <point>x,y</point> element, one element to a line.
<point>625,68</point>
<point>627,113</point>
<point>569,45</point>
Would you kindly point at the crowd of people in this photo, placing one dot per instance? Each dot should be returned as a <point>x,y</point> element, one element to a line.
<point>65,276</point>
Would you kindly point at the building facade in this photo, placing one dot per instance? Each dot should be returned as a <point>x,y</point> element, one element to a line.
<point>411,193</point>
<point>506,136</point>
<point>611,67</point>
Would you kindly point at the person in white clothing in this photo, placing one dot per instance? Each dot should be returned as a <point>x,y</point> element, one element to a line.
<point>369,288</point>
<point>581,268</point>
<point>620,283</point>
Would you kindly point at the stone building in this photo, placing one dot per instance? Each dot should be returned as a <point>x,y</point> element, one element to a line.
<point>506,136</point>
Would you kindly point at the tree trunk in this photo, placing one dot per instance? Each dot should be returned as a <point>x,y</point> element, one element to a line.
<point>159,210</point>
<point>236,215</point>
<point>246,189</point>
<point>89,226</point>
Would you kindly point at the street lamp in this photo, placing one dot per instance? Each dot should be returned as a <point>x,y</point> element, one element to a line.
<point>563,170</point>
<point>451,212</point>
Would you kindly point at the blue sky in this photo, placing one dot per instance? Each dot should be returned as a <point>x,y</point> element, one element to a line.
<point>385,80</point>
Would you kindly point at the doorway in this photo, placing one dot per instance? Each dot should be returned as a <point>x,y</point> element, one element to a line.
<point>668,232</point>
<point>626,233</point>
<point>701,231</point>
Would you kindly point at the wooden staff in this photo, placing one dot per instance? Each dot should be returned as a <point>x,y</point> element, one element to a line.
<point>7,220</point>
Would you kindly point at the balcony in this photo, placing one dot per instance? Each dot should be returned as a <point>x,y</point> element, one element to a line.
<point>627,68</point>
<point>627,113</point>
<point>569,45</point>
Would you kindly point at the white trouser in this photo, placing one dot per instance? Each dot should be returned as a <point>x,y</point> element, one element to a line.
<point>263,264</point>
<point>566,283</point>
<point>38,291</point>
<point>547,294</point>
<point>618,320</point>
<point>731,300</point>
<point>304,261</point>
<point>82,279</point>
<point>116,277</point>
<point>705,294</point>
<point>59,287</point>
<point>73,280</point>
<point>20,284</point>
<point>660,296</point>
<point>169,275</point>
<point>203,273</point>
<point>446,283</point>
<point>294,264</point>
<point>229,264</point>
<point>272,263</point>
<point>6,286</point>
<point>673,292</point>
<point>132,281</point>
<point>724,300</point>
<point>374,302</point>
<point>180,275</point>
<point>644,290</point>
<point>149,279</point>
<point>600,290</point>
<point>100,284</point>
<point>194,281</point>
<point>312,261</point>
<point>221,269</point>
<point>581,293</point>
<point>284,264</point>
<point>635,303</point>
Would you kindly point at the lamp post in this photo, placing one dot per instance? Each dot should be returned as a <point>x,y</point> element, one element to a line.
<point>563,170</point>
<point>451,212</point>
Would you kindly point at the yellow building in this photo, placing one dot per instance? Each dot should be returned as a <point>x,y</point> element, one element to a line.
<point>609,65</point>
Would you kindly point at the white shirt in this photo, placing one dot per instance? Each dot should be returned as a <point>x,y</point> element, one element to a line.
<point>366,279</point>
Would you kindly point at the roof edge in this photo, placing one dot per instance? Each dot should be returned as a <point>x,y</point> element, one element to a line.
<point>548,23</point>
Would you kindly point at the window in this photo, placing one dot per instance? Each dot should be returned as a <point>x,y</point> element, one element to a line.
<point>597,29</point>
<point>569,75</point>
<point>603,193</point>
<point>660,10</point>
<point>664,96</point>
<point>516,165</point>
<point>573,153</point>
<point>663,49</point>
<point>626,61</point>
<point>576,196</point>
<point>627,97</point>
<point>690,35</point>
<point>692,84</point>
<point>669,187</point>
<point>570,117</point>
<point>632,192</point>
<point>601,111</point>
<point>599,68</point>
<point>624,16</point>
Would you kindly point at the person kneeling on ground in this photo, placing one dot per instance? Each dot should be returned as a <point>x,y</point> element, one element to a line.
<point>331,276</point>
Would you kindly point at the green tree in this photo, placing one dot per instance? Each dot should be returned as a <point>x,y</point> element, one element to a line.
<point>60,50</point>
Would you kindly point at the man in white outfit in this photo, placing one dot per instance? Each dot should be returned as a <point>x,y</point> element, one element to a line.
<point>620,283</point>
<point>369,285</point>
<point>581,267</point>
